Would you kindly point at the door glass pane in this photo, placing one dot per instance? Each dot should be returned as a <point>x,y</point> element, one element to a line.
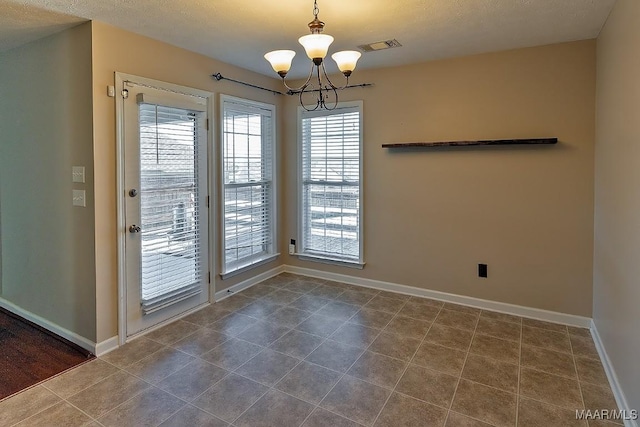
<point>171,265</point>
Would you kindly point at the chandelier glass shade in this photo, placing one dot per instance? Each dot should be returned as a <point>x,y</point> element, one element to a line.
<point>316,46</point>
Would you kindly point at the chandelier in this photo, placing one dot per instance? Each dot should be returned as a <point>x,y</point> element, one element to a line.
<point>316,46</point>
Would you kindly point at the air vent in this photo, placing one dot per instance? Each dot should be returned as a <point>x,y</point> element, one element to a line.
<point>387,44</point>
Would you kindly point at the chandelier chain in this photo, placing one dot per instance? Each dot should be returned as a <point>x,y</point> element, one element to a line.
<point>315,8</point>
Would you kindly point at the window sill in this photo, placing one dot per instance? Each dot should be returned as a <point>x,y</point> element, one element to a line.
<point>256,263</point>
<point>335,261</point>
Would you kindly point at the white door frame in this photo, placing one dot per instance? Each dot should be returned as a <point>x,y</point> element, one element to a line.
<point>120,79</point>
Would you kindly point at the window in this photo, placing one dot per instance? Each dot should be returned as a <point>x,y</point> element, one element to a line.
<point>330,184</point>
<point>173,176</point>
<point>248,180</point>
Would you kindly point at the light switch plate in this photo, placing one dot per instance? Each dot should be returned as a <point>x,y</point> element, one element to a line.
<point>77,174</point>
<point>79,198</point>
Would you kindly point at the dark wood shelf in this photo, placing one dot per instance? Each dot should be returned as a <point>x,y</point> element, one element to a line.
<point>533,141</point>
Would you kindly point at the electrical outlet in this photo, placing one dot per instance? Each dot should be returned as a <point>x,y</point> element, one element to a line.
<point>79,198</point>
<point>482,270</point>
<point>292,247</point>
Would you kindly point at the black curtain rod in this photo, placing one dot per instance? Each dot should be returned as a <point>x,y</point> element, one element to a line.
<point>219,77</point>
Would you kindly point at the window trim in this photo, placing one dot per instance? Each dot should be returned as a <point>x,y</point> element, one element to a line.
<point>273,253</point>
<point>310,256</point>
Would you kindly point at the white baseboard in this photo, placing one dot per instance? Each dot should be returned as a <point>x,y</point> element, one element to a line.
<point>106,346</point>
<point>621,399</point>
<point>517,310</point>
<point>226,293</point>
<point>50,326</point>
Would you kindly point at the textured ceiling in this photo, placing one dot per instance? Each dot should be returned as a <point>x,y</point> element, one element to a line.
<point>24,23</point>
<point>241,31</point>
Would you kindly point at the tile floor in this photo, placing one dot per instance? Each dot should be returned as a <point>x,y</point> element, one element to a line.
<point>295,351</point>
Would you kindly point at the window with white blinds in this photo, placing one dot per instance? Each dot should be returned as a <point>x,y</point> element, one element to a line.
<point>248,179</point>
<point>330,183</point>
<point>171,211</point>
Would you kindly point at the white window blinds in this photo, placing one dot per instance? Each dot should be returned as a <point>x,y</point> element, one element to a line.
<point>248,169</point>
<point>330,184</point>
<point>170,202</point>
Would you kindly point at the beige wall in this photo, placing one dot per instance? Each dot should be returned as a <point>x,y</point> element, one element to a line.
<point>118,50</point>
<point>45,121</point>
<point>430,216</point>
<point>617,202</point>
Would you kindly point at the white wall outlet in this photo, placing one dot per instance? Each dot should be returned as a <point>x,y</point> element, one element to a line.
<point>79,198</point>
<point>77,174</point>
<point>111,91</point>
<point>292,247</point>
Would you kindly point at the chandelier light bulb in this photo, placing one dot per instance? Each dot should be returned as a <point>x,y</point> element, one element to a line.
<point>316,45</point>
<point>280,60</point>
<point>346,60</point>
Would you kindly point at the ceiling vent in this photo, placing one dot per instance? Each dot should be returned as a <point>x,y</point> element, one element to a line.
<point>387,44</point>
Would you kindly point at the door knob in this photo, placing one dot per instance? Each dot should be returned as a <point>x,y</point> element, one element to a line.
<point>133,192</point>
<point>134,228</point>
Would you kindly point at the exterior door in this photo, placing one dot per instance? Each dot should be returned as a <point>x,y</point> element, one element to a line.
<point>166,198</point>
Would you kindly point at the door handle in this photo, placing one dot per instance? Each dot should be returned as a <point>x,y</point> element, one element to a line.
<point>134,228</point>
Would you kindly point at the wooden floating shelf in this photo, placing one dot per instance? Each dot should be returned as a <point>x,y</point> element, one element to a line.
<point>534,141</point>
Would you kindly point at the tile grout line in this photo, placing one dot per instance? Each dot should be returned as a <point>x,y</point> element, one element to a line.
<point>576,379</point>
<point>115,373</point>
<point>190,333</point>
<point>175,412</point>
<point>535,369</point>
<point>104,379</point>
<point>408,364</point>
<point>325,339</point>
<point>151,385</point>
<point>347,370</point>
<point>317,405</point>
<point>575,367</point>
<point>228,374</point>
<point>359,356</point>
<point>464,364</point>
<point>545,348</point>
<point>272,387</point>
<point>519,372</point>
<point>126,372</point>
<point>96,419</point>
<point>49,407</point>
<point>232,371</point>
